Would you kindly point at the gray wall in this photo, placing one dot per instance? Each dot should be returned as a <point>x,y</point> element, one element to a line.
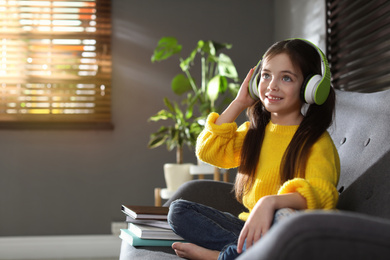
<point>73,182</point>
<point>301,19</point>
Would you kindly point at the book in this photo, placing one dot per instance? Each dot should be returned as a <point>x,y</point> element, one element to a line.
<point>149,222</point>
<point>145,212</point>
<point>149,232</point>
<point>133,240</point>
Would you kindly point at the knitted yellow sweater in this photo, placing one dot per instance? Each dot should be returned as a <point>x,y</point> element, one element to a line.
<point>220,145</point>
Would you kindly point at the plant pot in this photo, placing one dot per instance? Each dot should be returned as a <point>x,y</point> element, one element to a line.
<point>176,174</point>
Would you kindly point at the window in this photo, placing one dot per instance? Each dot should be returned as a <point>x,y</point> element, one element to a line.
<point>55,64</point>
<point>358,44</point>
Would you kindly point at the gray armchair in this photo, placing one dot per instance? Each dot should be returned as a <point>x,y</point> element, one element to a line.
<point>358,229</point>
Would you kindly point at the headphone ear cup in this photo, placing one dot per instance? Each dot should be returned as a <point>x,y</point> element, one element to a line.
<point>253,86</point>
<point>316,88</point>
<point>303,88</point>
<point>310,88</point>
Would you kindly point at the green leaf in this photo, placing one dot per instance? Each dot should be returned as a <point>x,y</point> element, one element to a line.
<point>161,115</point>
<point>226,67</point>
<point>189,111</point>
<point>218,84</point>
<point>162,131</point>
<point>206,47</point>
<point>200,45</point>
<point>213,88</point>
<point>169,105</point>
<point>220,46</point>
<point>156,142</point>
<point>174,140</point>
<point>223,84</point>
<point>166,47</point>
<point>195,129</point>
<point>178,112</point>
<point>180,84</point>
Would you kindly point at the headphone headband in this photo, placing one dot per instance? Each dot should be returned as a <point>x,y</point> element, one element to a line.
<point>315,89</point>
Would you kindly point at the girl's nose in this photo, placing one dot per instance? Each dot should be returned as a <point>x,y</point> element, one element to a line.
<point>273,85</point>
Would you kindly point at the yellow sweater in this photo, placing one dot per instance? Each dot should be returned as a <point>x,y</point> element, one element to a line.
<point>220,145</point>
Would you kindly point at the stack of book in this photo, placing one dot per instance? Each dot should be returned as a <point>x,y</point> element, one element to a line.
<point>147,226</point>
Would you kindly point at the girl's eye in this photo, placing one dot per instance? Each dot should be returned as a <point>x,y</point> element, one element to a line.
<point>265,76</point>
<point>287,79</point>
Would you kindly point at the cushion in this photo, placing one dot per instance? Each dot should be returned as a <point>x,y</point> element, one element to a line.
<point>361,135</point>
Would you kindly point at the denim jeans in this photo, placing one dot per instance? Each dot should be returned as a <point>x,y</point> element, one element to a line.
<point>208,227</point>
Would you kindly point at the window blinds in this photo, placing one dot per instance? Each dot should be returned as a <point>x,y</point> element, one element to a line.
<point>358,44</point>
<point>55,63</point>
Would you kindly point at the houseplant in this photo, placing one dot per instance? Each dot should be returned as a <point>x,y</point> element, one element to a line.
<point>183,131</point>
<point>217,86</point>
<point>217,69</point>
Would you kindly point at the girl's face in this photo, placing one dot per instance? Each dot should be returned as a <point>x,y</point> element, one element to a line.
<point>279,88</point>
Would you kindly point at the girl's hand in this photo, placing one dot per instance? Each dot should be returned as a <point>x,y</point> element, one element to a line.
<point>262,214</point>
<point>243,96</point>
<point>258,223</point>
<point>242,101</point>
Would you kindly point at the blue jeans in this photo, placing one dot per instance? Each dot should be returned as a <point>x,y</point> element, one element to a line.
<point>208,227</point>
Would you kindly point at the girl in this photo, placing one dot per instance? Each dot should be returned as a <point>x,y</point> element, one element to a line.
<point>286,159</point>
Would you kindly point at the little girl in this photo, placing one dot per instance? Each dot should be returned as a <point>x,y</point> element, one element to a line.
<point>285,158</point>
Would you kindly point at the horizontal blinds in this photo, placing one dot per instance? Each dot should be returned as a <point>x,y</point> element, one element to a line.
<point>55,61</point>
<point>358,44</point>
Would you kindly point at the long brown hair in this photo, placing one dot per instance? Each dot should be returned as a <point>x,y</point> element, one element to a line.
<point>315,122</point>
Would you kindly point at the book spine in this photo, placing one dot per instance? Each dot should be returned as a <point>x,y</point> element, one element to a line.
<point>136,231</point>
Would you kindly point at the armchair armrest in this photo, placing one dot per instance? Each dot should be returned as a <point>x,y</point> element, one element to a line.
<point>324,235</point>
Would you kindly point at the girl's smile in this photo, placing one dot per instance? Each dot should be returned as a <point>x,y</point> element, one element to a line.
<point>272,98</point>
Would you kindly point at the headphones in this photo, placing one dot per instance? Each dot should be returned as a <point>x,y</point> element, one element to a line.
<point>315,88</point>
